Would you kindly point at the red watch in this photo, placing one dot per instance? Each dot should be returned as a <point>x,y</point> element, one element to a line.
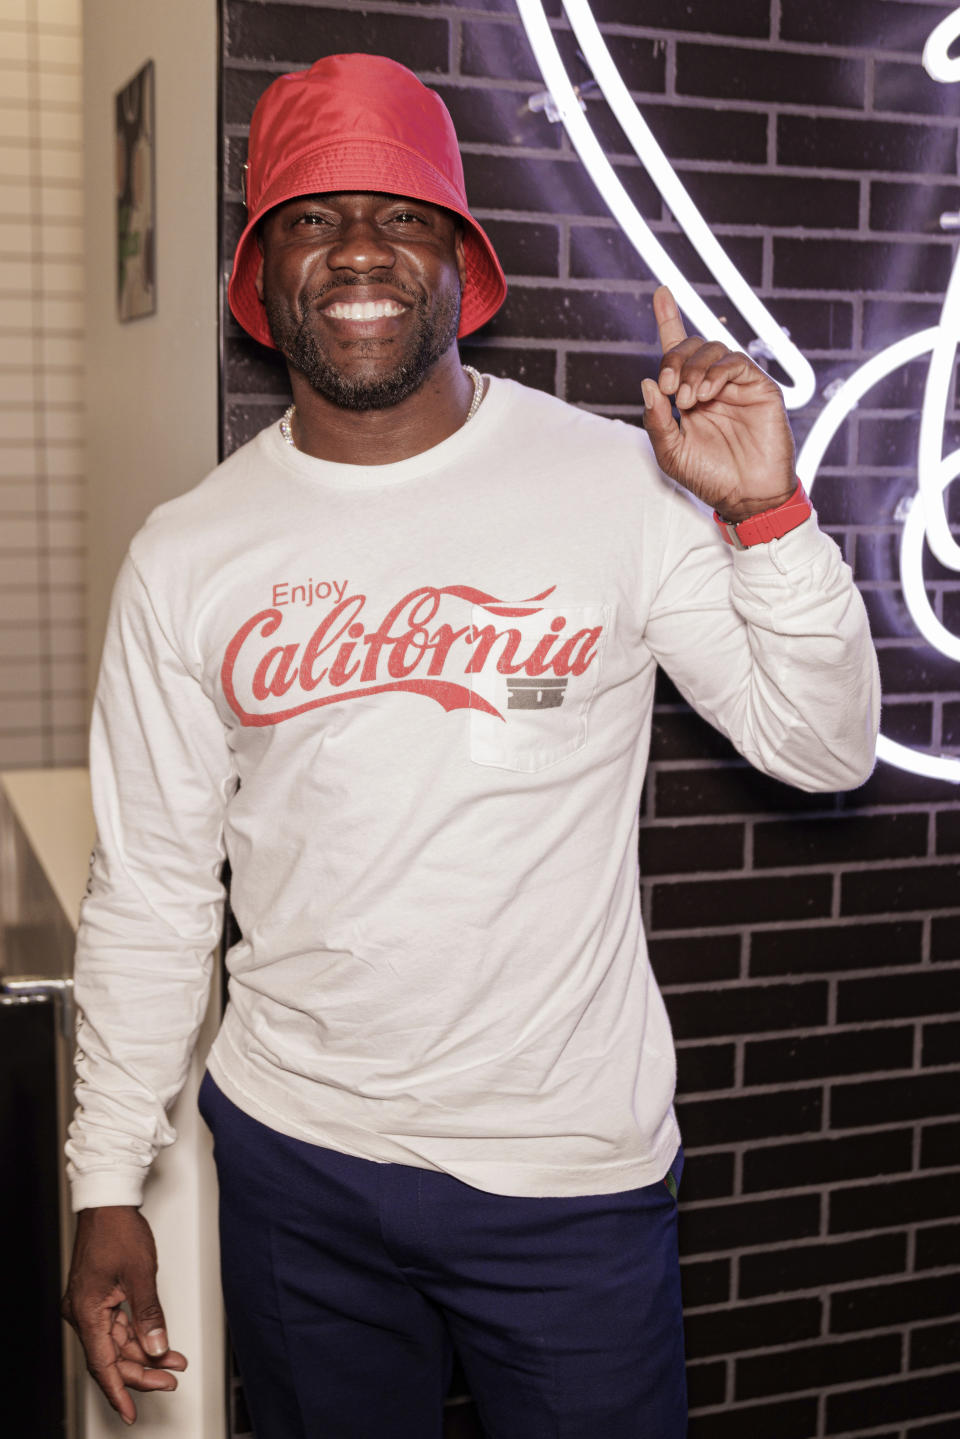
<point>768,524</point>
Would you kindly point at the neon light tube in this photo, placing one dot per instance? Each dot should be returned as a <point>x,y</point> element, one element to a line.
<point>914,761</point>
<point>658,166</point>
<point>846,399</point>
<point>911,575</point>
<point>937,60</point>
<point>932,464</point>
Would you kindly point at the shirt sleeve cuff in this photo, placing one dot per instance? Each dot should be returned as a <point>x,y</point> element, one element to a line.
<point>95,1191</point>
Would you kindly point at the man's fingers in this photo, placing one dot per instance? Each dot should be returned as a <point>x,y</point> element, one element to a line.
<point>95,1331</point>
<point>675,361</point>
<point>667,315</point>
<point>709,372</point>
<point>143,1377</point>
<point>126,1341</point>
<point>115,1260</point>
<point>684,369</point>
<point>173,1359</point>
<point>102,1362</point>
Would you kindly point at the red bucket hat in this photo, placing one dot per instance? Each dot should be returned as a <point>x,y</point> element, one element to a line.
<point>357,122</point>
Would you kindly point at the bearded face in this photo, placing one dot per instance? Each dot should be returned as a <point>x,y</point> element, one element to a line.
<point>362,293</point>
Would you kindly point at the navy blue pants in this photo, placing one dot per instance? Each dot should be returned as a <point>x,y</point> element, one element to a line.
<point>348,1285</point>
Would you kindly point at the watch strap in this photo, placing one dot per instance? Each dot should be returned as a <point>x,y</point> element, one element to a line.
<point>768,525</point>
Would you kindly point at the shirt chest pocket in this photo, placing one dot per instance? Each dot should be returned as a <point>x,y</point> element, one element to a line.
<point>533,679</point>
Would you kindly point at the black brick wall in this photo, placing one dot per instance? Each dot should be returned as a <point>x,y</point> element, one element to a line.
<point>808,946</point>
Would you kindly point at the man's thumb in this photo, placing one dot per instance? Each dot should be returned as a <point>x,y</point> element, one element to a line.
<point>658,418</point>
<point>659,424</point>
<point>148,1321</point>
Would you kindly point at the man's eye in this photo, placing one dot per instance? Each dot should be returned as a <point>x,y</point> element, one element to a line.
<point>311,218</point>
<point>407,217</point>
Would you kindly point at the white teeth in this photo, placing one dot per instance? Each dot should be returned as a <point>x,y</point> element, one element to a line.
<point>364,310</point>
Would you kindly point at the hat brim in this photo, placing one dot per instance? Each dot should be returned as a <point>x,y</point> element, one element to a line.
<point>361,164</point>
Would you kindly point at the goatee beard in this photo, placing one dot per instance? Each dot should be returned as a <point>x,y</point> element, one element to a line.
<point>301,348</point>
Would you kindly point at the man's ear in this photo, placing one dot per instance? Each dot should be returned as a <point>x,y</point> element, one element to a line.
<point>461,259</point>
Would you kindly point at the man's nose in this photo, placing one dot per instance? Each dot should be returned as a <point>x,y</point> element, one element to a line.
<point>360,247</point>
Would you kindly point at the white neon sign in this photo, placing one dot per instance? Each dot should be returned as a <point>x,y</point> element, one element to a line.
<point>926,518</point>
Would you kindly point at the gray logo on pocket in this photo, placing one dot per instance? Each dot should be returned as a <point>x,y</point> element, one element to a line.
<point>538,694</point>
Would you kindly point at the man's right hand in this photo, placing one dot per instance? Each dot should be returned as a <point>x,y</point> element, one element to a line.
<point>115,1259</point>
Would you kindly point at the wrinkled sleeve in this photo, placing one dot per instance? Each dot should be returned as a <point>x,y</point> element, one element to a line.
<point>161,772</point>
<point>772,646</point>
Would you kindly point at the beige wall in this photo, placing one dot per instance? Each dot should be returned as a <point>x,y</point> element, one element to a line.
<point>152,382</point>
<point>42,704</point>
<point>151,433</point>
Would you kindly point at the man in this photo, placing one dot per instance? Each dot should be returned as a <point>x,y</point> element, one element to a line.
<point>395,659</point>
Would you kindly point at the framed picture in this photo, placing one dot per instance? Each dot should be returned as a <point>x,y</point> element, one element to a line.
<point>136,197</point>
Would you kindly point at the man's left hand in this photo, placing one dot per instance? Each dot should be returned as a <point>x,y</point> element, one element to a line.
<point>733,447</point>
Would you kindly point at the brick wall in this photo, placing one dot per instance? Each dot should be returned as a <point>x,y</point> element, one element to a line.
<point>809,946</point>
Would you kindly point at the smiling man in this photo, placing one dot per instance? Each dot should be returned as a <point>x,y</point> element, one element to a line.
<point>403,680</point>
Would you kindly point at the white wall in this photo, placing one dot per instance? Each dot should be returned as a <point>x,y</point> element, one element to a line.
<point>152,382</point>
<point>151,433</point>
<point>42,704</point>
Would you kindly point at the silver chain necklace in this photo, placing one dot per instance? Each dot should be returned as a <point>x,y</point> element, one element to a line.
<point>286,419</point>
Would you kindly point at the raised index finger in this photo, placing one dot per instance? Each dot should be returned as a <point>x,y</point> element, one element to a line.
<point>668,319</point>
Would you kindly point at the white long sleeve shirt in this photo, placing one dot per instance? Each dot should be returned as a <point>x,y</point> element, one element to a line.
<point>412,704</point>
